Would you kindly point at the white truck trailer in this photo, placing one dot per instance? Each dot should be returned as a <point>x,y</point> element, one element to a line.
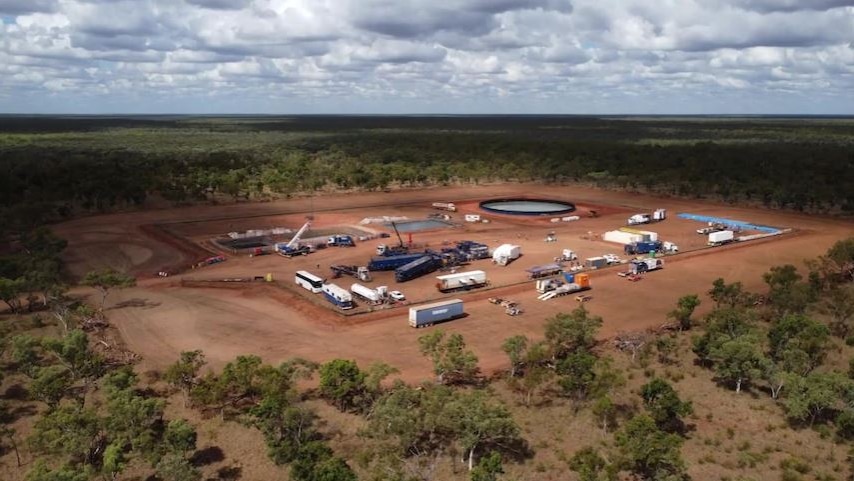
<point>721,237</point>
<point>449,206</point>
<point>461,281</point>
<point>429,314</point>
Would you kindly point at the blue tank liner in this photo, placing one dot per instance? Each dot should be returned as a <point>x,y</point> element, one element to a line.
<point>721,220</point>
<point>420,225</point>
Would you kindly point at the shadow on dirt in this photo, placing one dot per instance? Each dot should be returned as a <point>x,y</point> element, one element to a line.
<point>136,302</point>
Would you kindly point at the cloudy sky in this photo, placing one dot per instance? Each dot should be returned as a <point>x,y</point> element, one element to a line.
<point>427,56</point>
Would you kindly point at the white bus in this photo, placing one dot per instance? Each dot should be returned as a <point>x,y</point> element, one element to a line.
<point>309,281</point>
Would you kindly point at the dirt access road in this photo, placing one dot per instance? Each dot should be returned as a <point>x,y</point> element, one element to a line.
<point>159,318</point>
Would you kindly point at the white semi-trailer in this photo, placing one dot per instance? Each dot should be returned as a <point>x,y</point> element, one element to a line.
<point>429,314</point>
<point>461,281</point>
<point>449,206</point>
<point>721,237</point>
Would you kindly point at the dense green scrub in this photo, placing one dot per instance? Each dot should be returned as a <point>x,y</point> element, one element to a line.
<point>52,167</point>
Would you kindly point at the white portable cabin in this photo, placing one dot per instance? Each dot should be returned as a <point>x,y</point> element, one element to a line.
<point>721,236</point>
<point>505,253</point>
<point>621,237</point>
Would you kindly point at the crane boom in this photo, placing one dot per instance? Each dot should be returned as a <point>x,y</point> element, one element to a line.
<point>295,240</point>
<point>399,238</point>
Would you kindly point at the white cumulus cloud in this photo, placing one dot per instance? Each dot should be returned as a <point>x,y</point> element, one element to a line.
<point>456,56</point>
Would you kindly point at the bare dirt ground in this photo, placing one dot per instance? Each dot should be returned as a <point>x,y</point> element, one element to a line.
<point>160,318</point>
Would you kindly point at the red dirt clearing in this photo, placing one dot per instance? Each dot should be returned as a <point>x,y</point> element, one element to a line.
<point>159,318</point>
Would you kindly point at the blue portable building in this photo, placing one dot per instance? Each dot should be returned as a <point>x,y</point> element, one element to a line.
<point>337,295</point>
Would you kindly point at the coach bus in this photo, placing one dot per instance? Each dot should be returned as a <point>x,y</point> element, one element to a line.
<point>309,281</point>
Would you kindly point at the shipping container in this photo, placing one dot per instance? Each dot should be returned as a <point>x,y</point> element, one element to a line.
<point>429,314</point>
<point>645,235</point>
<point>595,262</point>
